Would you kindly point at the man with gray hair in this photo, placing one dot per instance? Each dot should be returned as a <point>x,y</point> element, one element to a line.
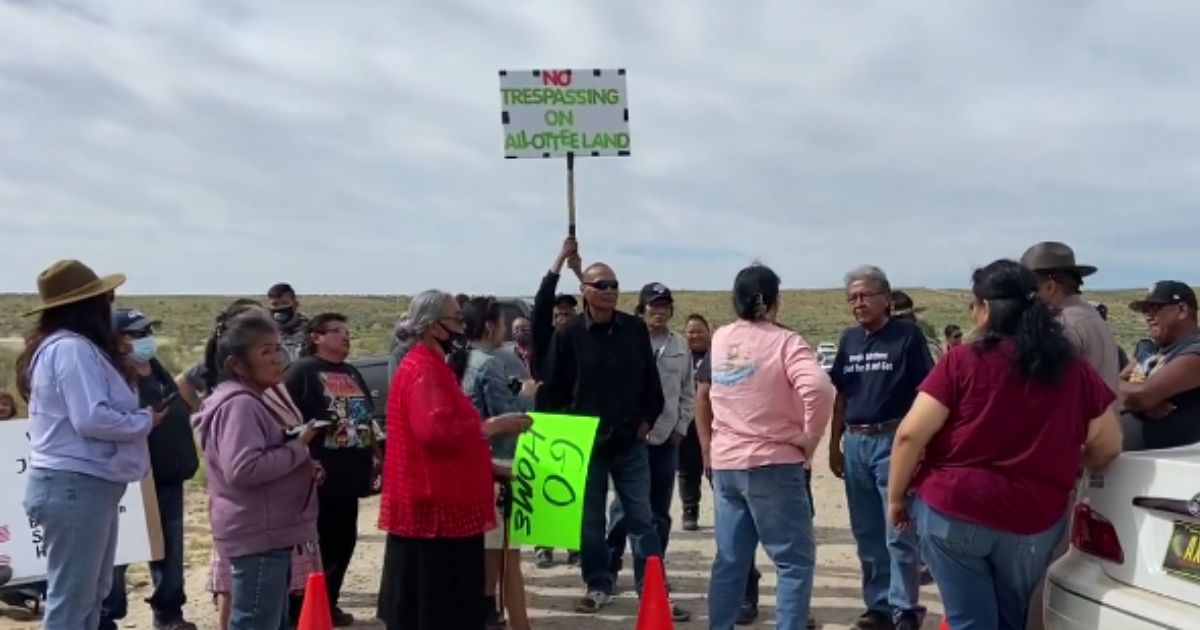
<point>878,367</point>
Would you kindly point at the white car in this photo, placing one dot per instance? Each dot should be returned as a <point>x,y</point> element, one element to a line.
<point>1134,561</point>
<point>825,353</point>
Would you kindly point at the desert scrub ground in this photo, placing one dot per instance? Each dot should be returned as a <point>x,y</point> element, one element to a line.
<point>819,314</point>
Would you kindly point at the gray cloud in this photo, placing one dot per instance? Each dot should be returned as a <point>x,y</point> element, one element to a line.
<point>221,146</point>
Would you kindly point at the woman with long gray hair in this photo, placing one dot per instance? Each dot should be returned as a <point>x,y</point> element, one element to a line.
<point>438,496</point>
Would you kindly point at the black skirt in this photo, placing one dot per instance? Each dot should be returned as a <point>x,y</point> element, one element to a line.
<point>432,584</point>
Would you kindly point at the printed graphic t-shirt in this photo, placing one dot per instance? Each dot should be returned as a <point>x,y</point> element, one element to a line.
<point>1181,427</point>
<point>878,373</point>
<point>336,392</point>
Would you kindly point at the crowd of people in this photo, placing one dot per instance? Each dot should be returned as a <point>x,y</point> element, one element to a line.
<point>961,458</point>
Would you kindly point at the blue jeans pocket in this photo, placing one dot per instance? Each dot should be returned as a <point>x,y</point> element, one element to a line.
<point>37,494</point>
<point>951,534</point>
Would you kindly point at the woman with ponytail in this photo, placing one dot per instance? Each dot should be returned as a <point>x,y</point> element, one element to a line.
<point>763,401</point>
<point>995,438</point>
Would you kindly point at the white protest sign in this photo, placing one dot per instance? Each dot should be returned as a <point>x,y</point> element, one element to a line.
<point>555,113</point>
<point>21,543</point>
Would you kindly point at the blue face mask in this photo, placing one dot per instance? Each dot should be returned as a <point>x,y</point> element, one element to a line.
<point>144,349</point>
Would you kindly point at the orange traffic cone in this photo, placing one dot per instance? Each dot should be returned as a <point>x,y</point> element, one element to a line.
<point>654,612</point>
<point>315,613</point>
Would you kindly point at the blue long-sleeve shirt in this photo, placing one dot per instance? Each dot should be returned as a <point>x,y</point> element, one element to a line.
<point>83,416</point>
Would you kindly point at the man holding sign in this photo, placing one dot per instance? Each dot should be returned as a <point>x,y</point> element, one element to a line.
<point>601,364</point>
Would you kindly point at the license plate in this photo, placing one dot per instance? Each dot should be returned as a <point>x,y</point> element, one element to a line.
<point>1183,554</point>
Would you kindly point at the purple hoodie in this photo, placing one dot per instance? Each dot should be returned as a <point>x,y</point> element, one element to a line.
<point>261,490</point>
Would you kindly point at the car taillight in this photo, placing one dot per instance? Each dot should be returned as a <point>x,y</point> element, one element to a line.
<point>1093,534</point>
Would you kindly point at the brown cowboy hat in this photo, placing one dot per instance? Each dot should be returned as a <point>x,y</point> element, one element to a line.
<point>70,281</point>
<point>1054,256</point>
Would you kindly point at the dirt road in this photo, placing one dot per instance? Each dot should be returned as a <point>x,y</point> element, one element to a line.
<point>836,601</point>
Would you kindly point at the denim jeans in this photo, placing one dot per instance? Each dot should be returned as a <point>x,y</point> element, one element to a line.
<point>986,576</point>
<point>260,590</point>
<point>168,598</point>
<point>664,463</point>
<point>890,560</point>
<point>771,505</point>
<point>78,516</point>
<point>630,472</point>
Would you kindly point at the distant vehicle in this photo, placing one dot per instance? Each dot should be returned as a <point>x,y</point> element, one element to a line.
<point>377,370</point>
<point>1134,561</point>
<point>826,351</point>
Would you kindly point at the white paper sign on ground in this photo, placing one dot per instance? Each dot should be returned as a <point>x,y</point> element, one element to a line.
<point>21,543</point>
<point>550,113</point>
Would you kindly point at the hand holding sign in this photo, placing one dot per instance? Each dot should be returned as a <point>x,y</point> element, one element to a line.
<point>507,424</point>
<point>549,480</point>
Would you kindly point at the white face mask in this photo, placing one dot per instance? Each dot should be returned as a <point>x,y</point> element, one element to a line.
<point>144,349</point>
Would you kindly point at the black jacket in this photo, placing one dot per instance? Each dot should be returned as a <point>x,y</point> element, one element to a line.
<point>607,371</point>
<point>542,322</point>
<point>173,457</point>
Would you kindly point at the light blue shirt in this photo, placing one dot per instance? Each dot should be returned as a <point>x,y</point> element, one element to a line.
<point>83,416</point>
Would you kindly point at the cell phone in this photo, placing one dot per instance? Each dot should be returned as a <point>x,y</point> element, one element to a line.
<point>301,428</point>
<point>166,402</point>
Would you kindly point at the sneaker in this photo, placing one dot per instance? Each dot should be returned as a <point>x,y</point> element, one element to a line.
<point>591,603</point>
<point>545,558</point>
<point>747,614</point>
<point>679,614</point>
<point>812,623</point>
<point>341,618</point>
<point>573,558</point>
<point>907,620</point>
<point>691,519</point>
<point>175,625</point>
<point>873,620</point>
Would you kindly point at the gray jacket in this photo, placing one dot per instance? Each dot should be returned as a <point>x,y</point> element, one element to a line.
<point>679,390</point>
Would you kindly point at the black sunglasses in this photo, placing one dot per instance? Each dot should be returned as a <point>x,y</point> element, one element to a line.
<point>604,285</point>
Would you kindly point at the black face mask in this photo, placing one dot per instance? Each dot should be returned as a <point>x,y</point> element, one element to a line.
<point>283,315</point>
<point>455,342</point>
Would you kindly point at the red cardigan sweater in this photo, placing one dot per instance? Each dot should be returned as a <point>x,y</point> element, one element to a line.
<point>437,476</point>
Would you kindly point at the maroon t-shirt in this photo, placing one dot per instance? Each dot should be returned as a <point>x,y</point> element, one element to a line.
<point>1008,454</point>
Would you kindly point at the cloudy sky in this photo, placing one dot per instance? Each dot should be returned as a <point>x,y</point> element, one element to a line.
<point>355,147</point>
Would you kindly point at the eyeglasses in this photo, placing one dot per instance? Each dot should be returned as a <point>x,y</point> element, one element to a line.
<point>457,319</point>
<point>604,285</point>
<point>861,297</point>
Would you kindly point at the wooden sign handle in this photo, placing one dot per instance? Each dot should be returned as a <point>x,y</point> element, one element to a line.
<point>571,195</point>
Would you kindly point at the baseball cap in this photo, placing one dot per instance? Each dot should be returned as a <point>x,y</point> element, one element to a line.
<point>130,320</point>
<point>566,298</point>
<point>655,292</point>
<point>1166,292</point>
